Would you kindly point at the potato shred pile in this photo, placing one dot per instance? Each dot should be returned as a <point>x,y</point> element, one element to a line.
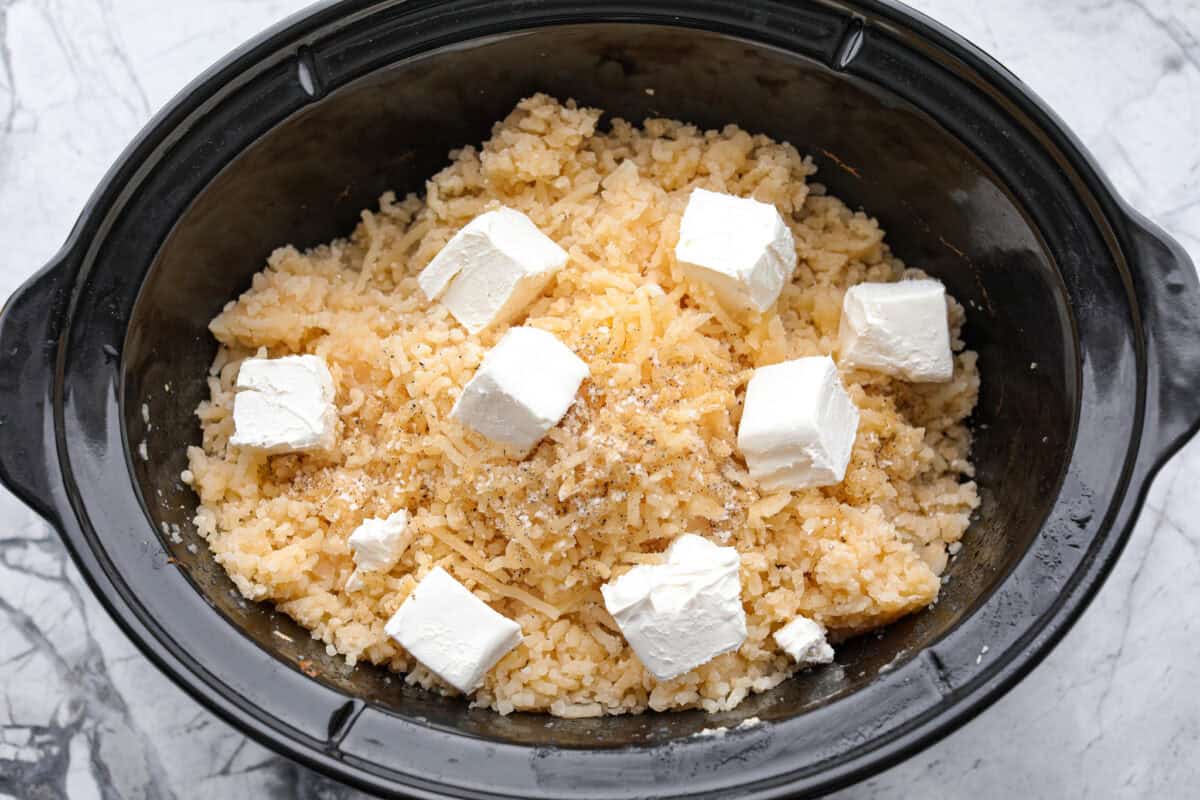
<point>646,453</point>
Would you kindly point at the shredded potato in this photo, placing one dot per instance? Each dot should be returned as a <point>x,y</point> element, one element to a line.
<point>646,453</point>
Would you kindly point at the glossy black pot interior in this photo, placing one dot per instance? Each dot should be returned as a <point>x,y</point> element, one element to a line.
<point>1083,317</point>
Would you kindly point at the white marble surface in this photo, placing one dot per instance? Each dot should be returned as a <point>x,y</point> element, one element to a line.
<point>1113,712</point>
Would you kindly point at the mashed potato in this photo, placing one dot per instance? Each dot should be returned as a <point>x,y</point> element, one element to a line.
<point>646,453</point>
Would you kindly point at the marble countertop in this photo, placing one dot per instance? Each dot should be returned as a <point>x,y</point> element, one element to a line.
<point>1113,712</point>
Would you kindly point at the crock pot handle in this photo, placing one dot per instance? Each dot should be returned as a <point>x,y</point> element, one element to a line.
<point>1169,295</point>
<point>29,325</point>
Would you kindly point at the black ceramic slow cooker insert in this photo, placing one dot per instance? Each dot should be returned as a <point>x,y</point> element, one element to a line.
<point>1085,318</point>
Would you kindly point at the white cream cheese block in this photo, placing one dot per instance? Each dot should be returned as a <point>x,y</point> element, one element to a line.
<point>798,425</point>
<point>457,636</point>
<point>737,245</point>
<point>804,640</point>
<point>492,269</point>
<point>898,329</point>
<point>284,405</point>
<point>377,544</point>
<point>522,389</point>
<point>683,613</point>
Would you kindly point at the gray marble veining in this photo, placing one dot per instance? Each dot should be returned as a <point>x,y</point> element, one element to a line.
<point>1113,712</point>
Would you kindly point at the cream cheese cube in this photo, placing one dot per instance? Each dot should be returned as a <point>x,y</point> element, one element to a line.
<point>798,425</point>
<point>492,269</point>
<point>522,389</point>
<point>684,613</point>
<point>284,405</point>
<point>457,636</point>
<point>898,329</point>
<point>737,245</point>
<point>804,640</point>
<point>377,544</point>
